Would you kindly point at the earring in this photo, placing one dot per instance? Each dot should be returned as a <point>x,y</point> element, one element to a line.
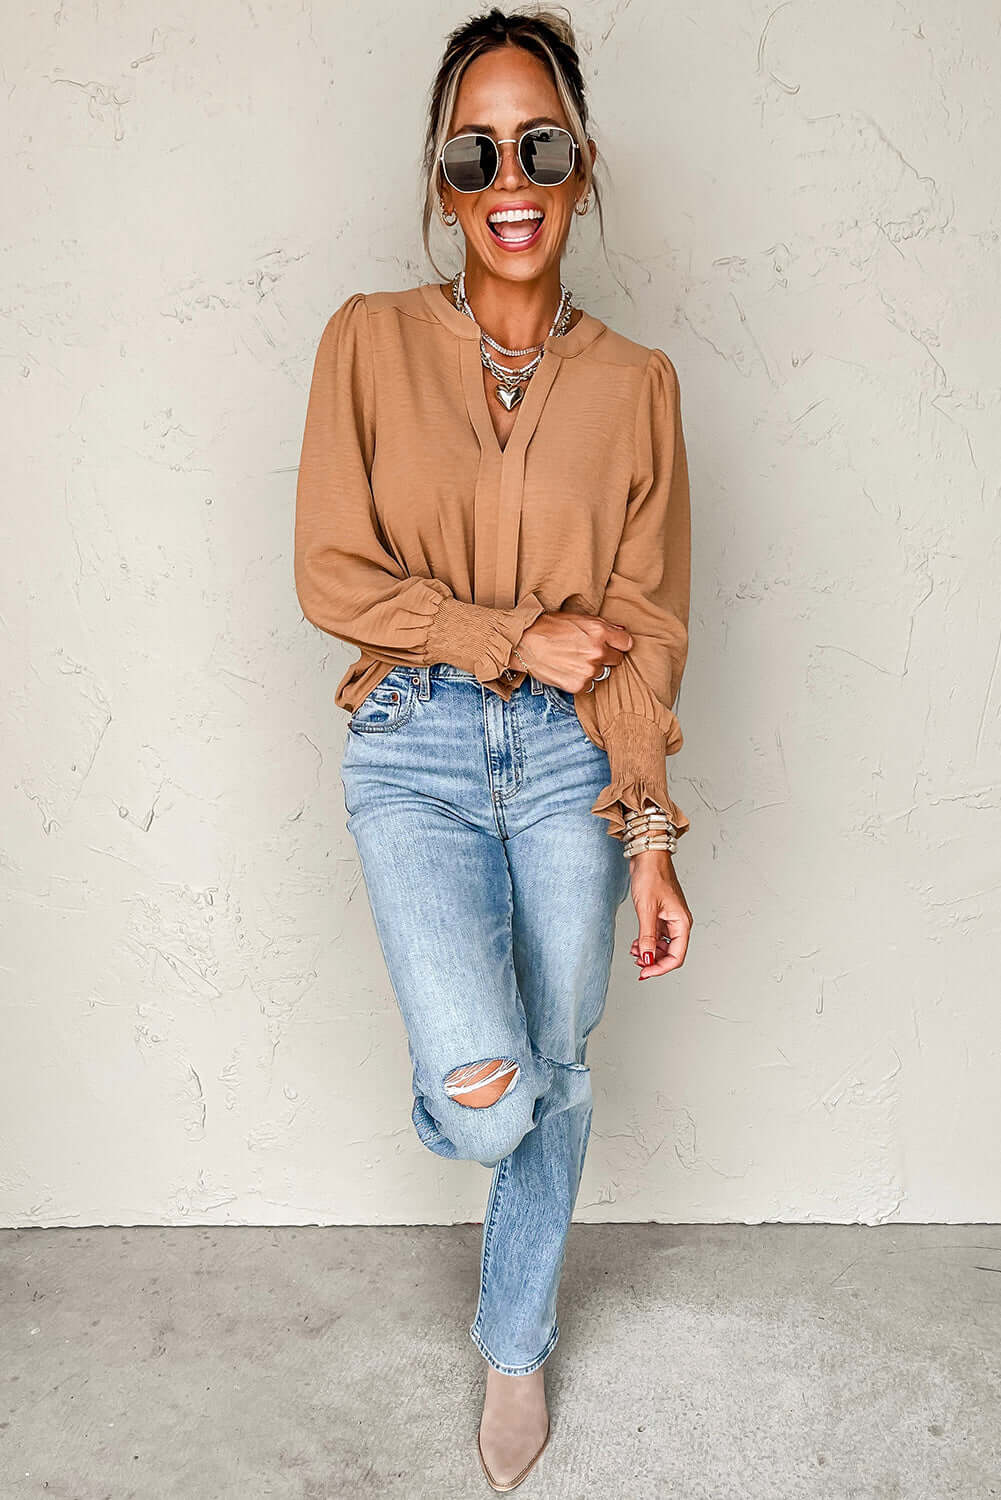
<point>582,205</point>
<point>442,213</point>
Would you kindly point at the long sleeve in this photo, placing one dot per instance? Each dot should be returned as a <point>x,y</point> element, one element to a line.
<point>648,592</point>
<point>347,580</point>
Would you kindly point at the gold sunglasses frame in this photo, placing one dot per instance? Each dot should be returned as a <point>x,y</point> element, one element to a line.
<point>509,141</point>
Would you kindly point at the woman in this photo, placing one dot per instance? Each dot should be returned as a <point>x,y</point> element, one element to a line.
<point>492,507</point>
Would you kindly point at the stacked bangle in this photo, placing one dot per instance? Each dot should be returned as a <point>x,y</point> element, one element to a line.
<point>649,829</point>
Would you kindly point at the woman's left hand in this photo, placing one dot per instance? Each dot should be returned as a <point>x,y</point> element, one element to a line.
<point>664,918</point>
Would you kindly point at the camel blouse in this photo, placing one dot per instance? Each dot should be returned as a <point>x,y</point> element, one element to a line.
<point>419,539</point>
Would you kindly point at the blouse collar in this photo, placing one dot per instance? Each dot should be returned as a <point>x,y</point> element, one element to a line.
<point>568,344</point>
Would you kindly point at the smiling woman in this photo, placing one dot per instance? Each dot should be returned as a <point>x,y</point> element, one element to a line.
<point>493,508</point>
<point>471,159</point>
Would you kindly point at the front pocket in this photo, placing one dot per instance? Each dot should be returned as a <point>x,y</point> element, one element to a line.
<point>561,701</point>
<point>386,707</point>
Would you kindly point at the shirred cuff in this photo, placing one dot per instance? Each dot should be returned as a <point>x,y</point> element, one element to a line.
<point>477,638</point>
<point>637,751</point>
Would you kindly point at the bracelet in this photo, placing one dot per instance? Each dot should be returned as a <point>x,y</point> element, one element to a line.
<point>649,814</point>
<point>655,823</point>
<point>649,829</point>
<point>517,653</point>
<point>638,847</point>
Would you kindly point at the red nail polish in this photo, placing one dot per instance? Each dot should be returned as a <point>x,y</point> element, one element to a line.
<point>647,958</point>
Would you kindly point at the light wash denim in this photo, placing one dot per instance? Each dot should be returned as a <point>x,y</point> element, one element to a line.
<point>494,890</point>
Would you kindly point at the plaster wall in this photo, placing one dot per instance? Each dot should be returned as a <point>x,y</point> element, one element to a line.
<point>804,212</point>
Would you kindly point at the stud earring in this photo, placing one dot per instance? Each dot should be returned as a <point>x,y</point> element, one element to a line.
<point>442,211</point>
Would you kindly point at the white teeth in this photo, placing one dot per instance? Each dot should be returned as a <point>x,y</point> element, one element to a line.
<point>513,215</point>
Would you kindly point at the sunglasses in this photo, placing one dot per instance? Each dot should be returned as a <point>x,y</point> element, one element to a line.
<point>471,162</point>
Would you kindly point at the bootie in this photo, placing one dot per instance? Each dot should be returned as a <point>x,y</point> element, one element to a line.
<point>511,1483</point>
<point>513,1409</point>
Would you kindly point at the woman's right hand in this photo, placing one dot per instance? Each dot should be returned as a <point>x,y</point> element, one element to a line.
<point>568,650</point>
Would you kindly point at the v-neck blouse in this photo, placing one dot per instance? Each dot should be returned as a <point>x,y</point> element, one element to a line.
<point>418,539</point>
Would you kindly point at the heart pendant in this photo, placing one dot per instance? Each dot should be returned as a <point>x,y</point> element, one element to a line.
<point>510,395</point>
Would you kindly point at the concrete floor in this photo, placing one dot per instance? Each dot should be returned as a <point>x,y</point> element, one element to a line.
<point>732,1363</point>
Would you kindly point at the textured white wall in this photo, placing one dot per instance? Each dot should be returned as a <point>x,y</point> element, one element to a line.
<point>197,1024</point>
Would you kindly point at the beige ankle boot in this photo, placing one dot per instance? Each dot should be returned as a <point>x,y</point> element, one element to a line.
<point>511,1403</point>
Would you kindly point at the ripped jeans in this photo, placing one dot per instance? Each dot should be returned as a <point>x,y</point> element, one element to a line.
<point>494,890</point>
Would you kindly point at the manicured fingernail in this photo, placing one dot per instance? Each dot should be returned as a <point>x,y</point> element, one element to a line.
<point>647,958</point>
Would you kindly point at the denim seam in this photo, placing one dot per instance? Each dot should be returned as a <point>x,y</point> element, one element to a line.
<point>528,1369</point>
<point>488,1234</point>
<point>584,1143</point>
<point>517,752</point>
<point>425,1136</point>
<point>496,801</point>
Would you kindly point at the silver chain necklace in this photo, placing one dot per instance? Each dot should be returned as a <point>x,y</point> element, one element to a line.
<point>511,385</point>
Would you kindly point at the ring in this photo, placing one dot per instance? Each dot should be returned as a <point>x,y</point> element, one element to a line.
<point>606,672</point>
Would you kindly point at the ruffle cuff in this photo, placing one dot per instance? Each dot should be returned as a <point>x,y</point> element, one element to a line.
<point>637,754</point>
<point>477,638</point>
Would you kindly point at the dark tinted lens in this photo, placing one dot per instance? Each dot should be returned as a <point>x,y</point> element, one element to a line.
<point>547,156</point>
<point>470,162</point>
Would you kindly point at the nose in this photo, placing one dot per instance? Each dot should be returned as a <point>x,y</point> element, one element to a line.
<point>510,163</point>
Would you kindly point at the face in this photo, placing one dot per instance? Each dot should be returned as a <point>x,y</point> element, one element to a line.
<point>502,94</point>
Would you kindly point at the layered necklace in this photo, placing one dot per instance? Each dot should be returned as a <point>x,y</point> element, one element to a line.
<point>512,383</point>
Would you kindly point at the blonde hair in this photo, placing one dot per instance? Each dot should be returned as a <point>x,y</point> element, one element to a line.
<point>547,36</point>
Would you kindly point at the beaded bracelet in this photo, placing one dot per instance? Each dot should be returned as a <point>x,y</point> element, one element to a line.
<point>650,811</point>
<point>647,821</point>
<point>649,829</point>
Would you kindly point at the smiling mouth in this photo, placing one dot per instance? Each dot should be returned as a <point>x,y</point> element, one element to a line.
<point>515,228</point>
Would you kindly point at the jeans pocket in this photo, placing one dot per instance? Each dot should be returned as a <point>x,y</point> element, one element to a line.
<point>563,702</point>
<point>387,706</point>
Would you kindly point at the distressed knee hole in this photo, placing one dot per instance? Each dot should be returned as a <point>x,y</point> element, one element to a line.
<point>481,1084</point>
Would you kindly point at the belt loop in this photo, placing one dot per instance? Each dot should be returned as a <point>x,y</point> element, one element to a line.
<point>536,685</point>
<point>423,683</point>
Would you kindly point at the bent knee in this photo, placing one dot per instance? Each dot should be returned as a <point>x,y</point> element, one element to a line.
<point>480,1084</point>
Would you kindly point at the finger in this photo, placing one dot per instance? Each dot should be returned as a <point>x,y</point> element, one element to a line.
<point>662,946</point>
<point>647,938</point>
<point>604,654</point>
<point>618,634</point>
<point>676,930</point>
<point>634,946</point>
<point>678,927</point>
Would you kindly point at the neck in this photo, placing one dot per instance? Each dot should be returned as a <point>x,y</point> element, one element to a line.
<point>515,313</point>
